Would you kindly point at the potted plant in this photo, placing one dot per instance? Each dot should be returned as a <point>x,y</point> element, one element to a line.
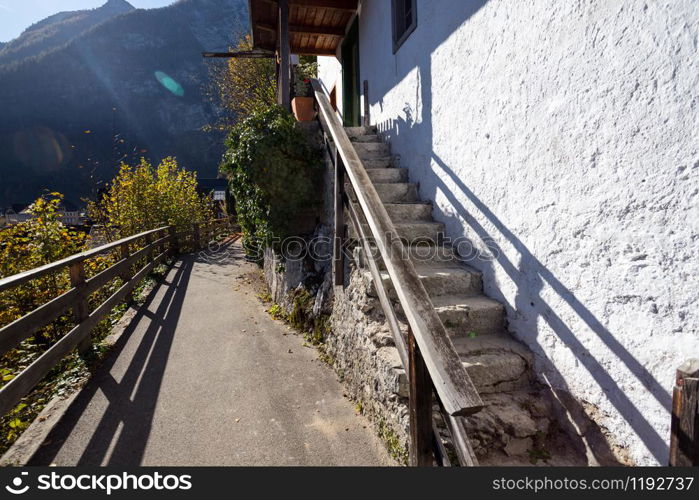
<point>302,103</point>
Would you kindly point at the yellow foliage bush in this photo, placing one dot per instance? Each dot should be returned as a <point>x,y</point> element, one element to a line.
<point>142,197</point>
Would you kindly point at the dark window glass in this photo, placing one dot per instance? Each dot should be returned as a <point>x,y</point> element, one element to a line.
<point>404,21</point>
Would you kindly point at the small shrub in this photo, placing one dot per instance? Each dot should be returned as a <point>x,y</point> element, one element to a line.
<point>276,312</point>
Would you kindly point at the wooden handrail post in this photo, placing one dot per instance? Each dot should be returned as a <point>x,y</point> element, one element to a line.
<point>160,235</point>
<point>174,244</point>
<point>684,436</point>
<point>339,225</point>
<point>420,407</point>
<point>127,273</point>
<point>149,253</point>
<point>81,308</point>
<point>196,236</point>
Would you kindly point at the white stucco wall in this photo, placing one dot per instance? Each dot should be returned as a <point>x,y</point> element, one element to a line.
<point>567,133</point>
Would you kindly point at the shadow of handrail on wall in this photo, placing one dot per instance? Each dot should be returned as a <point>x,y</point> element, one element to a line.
<point>413,132</point>
<point>537,274</point>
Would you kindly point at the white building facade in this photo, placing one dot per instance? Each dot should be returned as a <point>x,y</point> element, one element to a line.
<point>562,137</point>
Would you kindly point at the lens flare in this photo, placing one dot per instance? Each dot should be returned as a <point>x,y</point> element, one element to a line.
<point>41,149</point>
<point>169,83</point>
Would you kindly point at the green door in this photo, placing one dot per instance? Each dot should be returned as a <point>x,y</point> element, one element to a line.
<point>350,77</point>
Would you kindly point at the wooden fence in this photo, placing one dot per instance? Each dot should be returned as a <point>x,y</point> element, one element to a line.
<point>147,250</point>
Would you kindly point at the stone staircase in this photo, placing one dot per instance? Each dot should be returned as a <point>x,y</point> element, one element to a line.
<point>516,426</point>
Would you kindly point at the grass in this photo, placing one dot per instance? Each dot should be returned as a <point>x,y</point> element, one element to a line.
<point>395,447</point>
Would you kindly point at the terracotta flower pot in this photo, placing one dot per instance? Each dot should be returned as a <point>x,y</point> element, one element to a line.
<point>303,109</point>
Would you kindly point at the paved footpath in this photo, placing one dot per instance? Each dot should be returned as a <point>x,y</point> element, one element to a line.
<point>204,376</point>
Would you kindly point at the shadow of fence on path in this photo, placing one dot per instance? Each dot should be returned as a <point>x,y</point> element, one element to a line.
<point>132,399</point>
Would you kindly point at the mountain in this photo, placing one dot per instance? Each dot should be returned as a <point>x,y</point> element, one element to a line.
<point>131,84</point>
<point>55,31</point>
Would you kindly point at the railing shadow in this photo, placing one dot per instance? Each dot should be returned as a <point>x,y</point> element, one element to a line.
<point>530,277</point>
<point>142,379</point>
<point>413,136</point>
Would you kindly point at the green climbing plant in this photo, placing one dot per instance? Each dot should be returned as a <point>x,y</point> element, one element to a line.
<point>274,173</point>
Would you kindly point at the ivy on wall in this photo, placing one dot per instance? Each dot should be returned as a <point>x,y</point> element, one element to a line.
<point>274,173</point>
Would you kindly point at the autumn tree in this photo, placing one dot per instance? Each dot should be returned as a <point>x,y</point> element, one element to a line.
<point>243,86</point>
<point>144,197</point>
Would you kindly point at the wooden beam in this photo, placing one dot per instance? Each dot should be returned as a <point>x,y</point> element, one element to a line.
<point>284,56</point>
<point>305,30</point>
<point>346,5</point>
<point>310,51</point>
<point>241,54</point>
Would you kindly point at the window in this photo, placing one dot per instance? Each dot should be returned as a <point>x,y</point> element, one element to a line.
<point>404,21</point>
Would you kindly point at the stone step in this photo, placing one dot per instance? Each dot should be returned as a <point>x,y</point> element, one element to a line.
<point>357,131</point>
<point>397,192</point>
<point>401,212</point>
<point>365,138</point>
<point>394,192</point>
<point>371,163</point>
<point>463,316</point>
<point>422,255</point>
<point>442,281</point>
<point>512,424</point>
<point>497,366</point>
<point>380,175</point>
<point>372,149</point>
<point>425,232</point>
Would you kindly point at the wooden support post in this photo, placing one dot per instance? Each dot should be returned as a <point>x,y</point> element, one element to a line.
<point>420,406</point>
<point>127,273</point>
<point>684,436</point>
<point>149,253</point>
<point>284,55</point>
<point>367,116</point>
<point>174,244</point>
<point>81,308</point>
<point>160,235</point>
<point>196,237</point>
<point>339,226</point>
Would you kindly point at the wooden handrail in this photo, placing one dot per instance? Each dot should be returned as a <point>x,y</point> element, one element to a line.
<point>452,383</point>
<point>20,278</point>
<point>76,298</point>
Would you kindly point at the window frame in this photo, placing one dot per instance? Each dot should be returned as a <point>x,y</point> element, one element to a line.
<point>398,41</point>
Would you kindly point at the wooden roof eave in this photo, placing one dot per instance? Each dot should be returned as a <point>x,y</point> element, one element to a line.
<point>316,27</point>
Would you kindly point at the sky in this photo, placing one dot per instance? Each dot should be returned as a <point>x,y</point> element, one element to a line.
<point>16,15</point>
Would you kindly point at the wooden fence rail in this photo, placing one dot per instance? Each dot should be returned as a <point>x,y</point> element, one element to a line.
<point>158,244</point>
